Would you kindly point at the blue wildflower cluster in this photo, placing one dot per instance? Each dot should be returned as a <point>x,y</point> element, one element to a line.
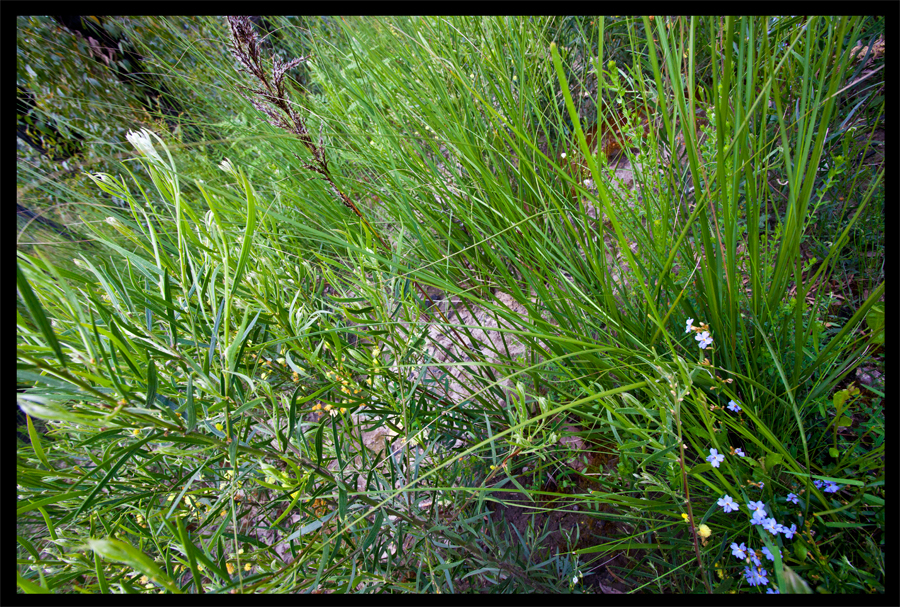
<point>827,487</point>
<point>754,573</point>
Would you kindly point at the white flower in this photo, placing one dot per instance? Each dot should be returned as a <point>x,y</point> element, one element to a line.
<point>143,144</point>
<point>226,166</point>
<point>563,155</point>
<point>689,325</point>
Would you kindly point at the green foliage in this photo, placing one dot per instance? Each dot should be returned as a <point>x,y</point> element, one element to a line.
<point>402,324</point>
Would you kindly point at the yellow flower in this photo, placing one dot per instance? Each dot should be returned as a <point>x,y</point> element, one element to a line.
<point>684,515</point>
<point>248,567</point>
<point>144,579</point>
<point>219,427</point>
<point>136,432</point>
<point>230,568</point>
<point>704,531</point>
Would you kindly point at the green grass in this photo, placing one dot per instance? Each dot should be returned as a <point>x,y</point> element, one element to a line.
<point>403,246</point>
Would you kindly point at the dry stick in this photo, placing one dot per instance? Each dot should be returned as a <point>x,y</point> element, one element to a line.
<point>687,495</point>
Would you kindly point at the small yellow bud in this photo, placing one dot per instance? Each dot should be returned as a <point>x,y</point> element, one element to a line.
<point>247,567</point>
<point>136,432</point>
<point>219,427</point>
<point>684,515</point>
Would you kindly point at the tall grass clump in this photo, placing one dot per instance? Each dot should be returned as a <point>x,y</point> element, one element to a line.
<point>491,305</point>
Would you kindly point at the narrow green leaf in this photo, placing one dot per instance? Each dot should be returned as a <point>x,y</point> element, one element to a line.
<point>373,532</point>
<point>191,552</point>
<point>120,552</point>
<point>170,313</point>
<point>36,443</point>
<point>30,587</point>
<point>152,383</point>
<point>112,472</point>
<point>214,336</point>
<point>190,409</point>
<point>793,583</point>
<point>32,505</point>
<point>248,232</point>
<point>292,416</point>
<point>37,314</point>
<point>101,578</point>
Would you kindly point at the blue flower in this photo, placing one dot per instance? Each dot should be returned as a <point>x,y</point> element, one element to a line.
<point>761,507</point>
<point>771,525</point>
<point>733,406</point>
<point>819,484</point>
<point>739,551</point>
<point>689,325</point>
<point>761,484</point>
<point>832,487</point>
<point>789,531</point>
<point>792,498</point>
<point>737,451</point>
<point>772,591</point>
<point>728,504</point>
<point>704,339</point>
<point>755,577</point>
<point>750,575</point>
<point>768,554</point>
<point>715,458</point>
<point>754,558</point>
<point>759,516</point>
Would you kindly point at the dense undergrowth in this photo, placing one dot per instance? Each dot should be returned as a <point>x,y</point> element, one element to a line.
<point>459,304</point>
